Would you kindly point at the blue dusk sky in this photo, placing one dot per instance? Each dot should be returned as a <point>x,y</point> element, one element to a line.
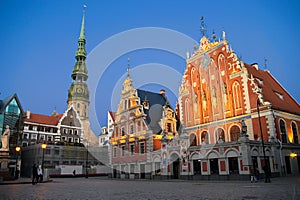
<point>39,41</point>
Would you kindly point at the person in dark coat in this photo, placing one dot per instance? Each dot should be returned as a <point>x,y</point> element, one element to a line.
<point>267,174</point>
<point>34,174</point>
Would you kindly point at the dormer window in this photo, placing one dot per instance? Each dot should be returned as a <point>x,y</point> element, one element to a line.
<point>279,95</point>
<point>122,131</point>
<point>259,81</point>
<point>146,104</point>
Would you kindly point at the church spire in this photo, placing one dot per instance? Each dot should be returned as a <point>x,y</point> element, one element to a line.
<point>82,35</point>
<point>81,52</point>
<point>78,95</point>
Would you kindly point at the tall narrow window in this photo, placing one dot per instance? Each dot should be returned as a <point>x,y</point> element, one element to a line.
<point>282,131</point>
<point>236,89</point>
<point>115,152</point>
<point>122,131</point>
<point>123,151</point>
<point>131,129</point>
<point>142,148</point>
<point>295,133</point>
<point>132,149</point>
<point>187,113</point>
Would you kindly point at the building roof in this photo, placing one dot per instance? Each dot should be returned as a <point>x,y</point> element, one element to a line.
<point>6,101</point>
<point>44,119</point>
<point>273,92</point>
<point>112,114</point>
<point>154,113</point>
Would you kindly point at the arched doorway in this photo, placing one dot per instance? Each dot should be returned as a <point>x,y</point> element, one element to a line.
<point>175,166</point>
<point>196,164</point>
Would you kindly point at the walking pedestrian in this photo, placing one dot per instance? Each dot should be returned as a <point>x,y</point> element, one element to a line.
<point>34,174</point>
<point>40,173</point>
<point>253,177</point>
<point>267,174</point>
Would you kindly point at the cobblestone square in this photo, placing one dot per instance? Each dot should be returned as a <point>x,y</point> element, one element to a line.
<point>104,188</point>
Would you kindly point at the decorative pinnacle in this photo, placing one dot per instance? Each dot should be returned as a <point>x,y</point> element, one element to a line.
<point>128,66</point>
<point>203,26</point>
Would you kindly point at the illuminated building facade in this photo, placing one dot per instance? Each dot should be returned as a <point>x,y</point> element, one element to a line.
<point>234,118</point>
<point>219,93</point>
<point>143,118</point>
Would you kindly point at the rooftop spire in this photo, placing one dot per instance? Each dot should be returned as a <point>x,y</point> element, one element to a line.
<point>82,36</point>
<point>203,27</point>
<point>128,66</point>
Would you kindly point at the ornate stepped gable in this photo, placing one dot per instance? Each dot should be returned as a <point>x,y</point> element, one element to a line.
<point>142,111</point>
<point>217,86</point>
<point>207,81</point>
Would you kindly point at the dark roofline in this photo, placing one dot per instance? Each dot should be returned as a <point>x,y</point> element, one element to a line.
<point>7,100</point>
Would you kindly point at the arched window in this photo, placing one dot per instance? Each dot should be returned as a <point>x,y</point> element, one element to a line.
<point>235,133</point>
<point>282,131</point>
<point>78,105</point>
<point>187,113</point>
<point>220,135</point>
<point>204,137</point>
<point>295,133</point>
<point>221,61</point>
<point>193,139</point>
<point>195,78</point>
<point>236,92</point>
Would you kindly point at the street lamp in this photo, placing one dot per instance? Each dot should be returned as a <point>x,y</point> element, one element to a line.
<point>44,146</point>
<point>18,149</point>
<point>87,160</point>
<point>267,169</point>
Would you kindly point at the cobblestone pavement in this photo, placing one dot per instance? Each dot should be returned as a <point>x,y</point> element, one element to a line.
<point>103,188</point>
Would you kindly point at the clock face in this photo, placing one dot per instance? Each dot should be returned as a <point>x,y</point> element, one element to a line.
<point>79,90</point>
<point>205,61</point>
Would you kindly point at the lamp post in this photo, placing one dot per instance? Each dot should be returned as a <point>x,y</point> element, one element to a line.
<point>18,149</point>
<point>266,167</point>
<point>44,146</point>
<point>87,160</point>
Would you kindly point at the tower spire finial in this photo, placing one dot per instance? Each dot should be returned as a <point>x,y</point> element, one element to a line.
<point>128,66</point>
<point>203,26</point>
<point>82,35</point>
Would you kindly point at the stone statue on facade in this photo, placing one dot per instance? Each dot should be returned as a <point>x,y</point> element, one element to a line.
<point>5,139</point>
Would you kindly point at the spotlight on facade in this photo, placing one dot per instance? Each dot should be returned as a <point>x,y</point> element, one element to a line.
<point>44,146</point>
<point>293,155</point>
<point>18,149</point>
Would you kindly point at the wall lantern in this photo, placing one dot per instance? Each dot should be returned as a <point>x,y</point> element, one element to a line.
<point>293,155</point>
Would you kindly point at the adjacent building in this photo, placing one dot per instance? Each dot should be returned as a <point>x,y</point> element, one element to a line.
<point>143,118</point>
<point>107,130</point>
<point>220,95</point>
<point>11,125</point>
